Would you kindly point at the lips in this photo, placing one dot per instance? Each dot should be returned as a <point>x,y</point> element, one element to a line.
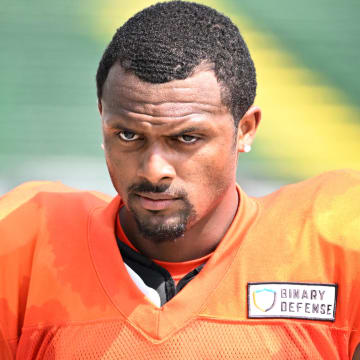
<point>156,202</point>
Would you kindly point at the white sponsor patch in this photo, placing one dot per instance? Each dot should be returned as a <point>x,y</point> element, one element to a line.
<point>292,300</point>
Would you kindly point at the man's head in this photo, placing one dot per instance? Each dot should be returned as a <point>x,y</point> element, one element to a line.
<point>167,41</point>
<point>171,84</point>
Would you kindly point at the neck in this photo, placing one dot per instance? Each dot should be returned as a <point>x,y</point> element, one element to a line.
<point>199,240</point>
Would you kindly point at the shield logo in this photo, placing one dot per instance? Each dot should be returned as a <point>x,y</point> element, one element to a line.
<point>264,299</point>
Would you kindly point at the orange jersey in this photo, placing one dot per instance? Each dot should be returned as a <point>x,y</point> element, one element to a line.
<point>282,284</point>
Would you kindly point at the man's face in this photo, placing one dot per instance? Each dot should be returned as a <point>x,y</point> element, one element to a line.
<point>169,150</point>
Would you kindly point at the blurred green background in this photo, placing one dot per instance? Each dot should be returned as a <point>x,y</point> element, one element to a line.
<point>307,56</point>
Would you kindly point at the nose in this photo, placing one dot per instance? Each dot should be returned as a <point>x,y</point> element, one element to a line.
<point>155,167</point>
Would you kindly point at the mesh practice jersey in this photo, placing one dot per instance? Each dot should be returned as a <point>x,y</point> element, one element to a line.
<point>283,283</point>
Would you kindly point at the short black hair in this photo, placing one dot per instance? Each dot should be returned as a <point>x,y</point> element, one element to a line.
<point>166,41</point>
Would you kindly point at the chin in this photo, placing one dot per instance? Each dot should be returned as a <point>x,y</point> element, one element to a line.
<point>161,228</point>
<point>162,232</point>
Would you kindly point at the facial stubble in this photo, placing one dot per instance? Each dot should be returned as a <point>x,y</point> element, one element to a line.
<point>158,226</point>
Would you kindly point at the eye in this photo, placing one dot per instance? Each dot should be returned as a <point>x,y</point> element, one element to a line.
<point>128,136</point>
<point>187,139</point>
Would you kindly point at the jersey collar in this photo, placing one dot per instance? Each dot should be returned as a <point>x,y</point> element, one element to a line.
<point>160,323</point>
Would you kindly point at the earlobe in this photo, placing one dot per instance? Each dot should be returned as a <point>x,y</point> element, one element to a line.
<point>100,106</point>
<point>247,129</point>
<point>247,148</point>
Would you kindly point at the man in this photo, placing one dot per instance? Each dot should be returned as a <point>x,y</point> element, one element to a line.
<point>182,264</point>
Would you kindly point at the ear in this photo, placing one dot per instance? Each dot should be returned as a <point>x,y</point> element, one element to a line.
<point>100,111</point>
<point>100,106</point>
<point>247,129</point>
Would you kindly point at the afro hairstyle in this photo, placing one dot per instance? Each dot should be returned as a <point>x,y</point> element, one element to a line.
<point>168,40</point>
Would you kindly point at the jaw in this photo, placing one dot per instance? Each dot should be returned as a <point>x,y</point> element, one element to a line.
<point>161,226</point>
<point>199,238</point>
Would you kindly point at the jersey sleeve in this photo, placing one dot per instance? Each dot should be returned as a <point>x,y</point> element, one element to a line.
<point>24,213</point>
<point>5,350</point>
<point>338,223</point>
<point>20,218</point>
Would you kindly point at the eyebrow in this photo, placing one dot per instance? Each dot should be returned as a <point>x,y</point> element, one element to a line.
<point>120,127</point>
<point>187,130</point>
<point>181,132</point>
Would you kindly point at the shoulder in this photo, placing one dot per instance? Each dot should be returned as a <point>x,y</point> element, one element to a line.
<point>24,208</point>
<point>39,222</point>
<point>328,187</point>
<point>41,191</point>
<point>336,208</point>
<point>329,203</point>
<point>333,184</point>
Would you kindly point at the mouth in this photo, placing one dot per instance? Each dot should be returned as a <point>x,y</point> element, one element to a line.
<point>156,201</point>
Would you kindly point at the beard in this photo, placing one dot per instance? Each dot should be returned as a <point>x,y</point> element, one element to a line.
<point>156,226</point>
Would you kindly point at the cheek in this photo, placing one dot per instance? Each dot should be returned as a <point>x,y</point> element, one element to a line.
<point>120,172</point>
<point>221,173</point>
<point>211,177</point>
<point>116,159</point>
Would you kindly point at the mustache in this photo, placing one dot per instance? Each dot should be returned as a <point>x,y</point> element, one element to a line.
<point>147,187</point>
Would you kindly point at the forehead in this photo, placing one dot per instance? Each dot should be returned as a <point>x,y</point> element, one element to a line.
<point>124,91</point>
